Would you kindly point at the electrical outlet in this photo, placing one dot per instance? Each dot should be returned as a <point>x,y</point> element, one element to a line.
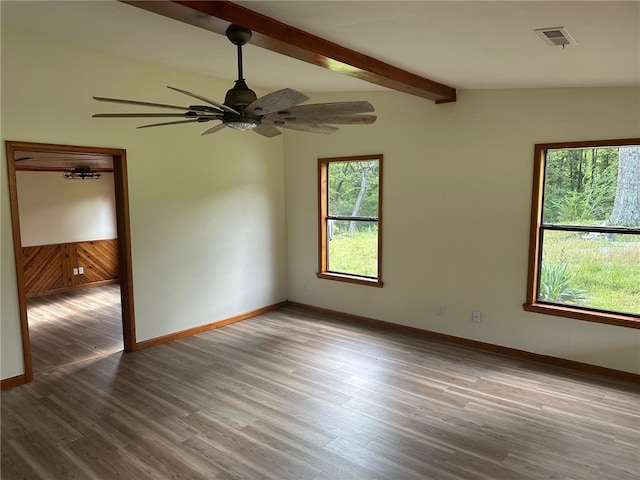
<point>441,310</point>
<point>305,285</point>
<point>75,271</point>
<point>81,270</point>
<point>476,316</point>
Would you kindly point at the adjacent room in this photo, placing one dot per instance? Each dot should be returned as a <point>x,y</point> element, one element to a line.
<point>361,288</point>
<point>69,241</point>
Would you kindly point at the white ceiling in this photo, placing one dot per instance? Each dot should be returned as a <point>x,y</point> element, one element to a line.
<point>466,45</point>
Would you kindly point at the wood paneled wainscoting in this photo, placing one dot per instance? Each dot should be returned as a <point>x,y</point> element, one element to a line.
<point>69,266</point>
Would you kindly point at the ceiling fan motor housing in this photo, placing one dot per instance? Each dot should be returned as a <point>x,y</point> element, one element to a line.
<point>238,98</point>
<point>240,95</point>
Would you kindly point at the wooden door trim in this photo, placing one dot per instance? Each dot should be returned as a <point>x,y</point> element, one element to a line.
<point>121,183</point>
<point>17,252</point>
<point>121,193</point>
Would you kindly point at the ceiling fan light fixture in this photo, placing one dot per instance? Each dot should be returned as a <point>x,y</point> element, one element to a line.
<point>242,126</point>
<point>82,173</point>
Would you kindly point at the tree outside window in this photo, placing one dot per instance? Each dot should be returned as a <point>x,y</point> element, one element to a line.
<point>584,259</point>
<point>350,192</point>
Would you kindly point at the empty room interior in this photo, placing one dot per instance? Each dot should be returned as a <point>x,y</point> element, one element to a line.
<point>353,240</point>
<point>73,307</point>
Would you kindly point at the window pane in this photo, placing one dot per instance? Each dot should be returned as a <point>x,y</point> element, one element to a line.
<point>599,271</point>
<point>592,186</point>
<point>353,247</point>
<point>353,188</point>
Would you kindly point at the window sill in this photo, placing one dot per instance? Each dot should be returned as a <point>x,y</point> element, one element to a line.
<point>630,321</point>
<point>341,277</point>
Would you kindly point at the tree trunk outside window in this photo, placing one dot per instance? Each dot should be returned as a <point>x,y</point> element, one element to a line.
<point>626,206</point>
<point>364,171</point>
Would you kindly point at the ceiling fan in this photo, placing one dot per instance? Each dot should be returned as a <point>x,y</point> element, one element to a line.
<point>243,110</point>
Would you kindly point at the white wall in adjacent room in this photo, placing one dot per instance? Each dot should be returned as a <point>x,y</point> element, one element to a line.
<point>56,210</point>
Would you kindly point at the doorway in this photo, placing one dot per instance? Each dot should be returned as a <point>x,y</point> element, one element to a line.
<point>25,156</point>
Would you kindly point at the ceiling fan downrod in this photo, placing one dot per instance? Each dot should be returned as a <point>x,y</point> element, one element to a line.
<point>240,95</point>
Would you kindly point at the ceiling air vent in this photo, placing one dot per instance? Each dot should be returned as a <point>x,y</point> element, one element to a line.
<point>555,36</point>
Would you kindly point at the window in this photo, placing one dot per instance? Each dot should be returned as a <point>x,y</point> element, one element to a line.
<point>584,253</point>
<point>350,219</point>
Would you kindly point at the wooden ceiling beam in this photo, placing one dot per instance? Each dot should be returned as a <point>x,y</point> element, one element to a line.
<point>279,37</point>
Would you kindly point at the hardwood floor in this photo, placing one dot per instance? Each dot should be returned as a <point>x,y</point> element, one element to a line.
<point>74,326</point>
<point>291,395</point>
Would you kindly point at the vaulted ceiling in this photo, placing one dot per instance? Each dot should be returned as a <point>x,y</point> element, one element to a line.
<point>462,44</point>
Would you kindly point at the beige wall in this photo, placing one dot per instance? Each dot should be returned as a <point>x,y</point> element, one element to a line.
<point>209,239</point>
<point>207,213</point>
<point>56,210</point>
<point>457,196</point>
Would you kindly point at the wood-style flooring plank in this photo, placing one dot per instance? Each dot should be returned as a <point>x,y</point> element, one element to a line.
<point>74,326</point>
<point>291,395</point>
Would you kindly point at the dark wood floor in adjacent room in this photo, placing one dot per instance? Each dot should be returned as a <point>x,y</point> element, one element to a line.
<point>291,395</point>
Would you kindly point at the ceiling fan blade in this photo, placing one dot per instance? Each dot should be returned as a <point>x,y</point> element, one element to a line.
<point>205,99</point>
<point>275,101</point>
<point>135,102</point>
<point>137,115</point>
<point>323,119</point>
<point>322,109</point>
<point>215,129</point>
<point>267,130</point>
<point>310,127</point>
<point>193,120</point>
